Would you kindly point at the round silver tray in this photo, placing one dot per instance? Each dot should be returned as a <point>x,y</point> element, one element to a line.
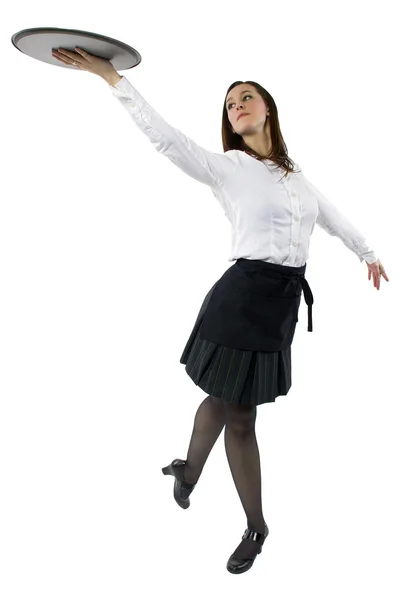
<point>39,42</point>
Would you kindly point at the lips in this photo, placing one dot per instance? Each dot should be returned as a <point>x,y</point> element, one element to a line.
<point>242,115</point>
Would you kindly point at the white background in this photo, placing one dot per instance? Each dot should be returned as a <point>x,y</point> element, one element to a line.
<point>94,400</point>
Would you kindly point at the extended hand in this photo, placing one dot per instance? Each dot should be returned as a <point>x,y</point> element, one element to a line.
<point>376,270</point>
<point>85,61</point>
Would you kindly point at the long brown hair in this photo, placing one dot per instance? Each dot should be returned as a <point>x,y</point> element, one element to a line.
<point>234,141</point>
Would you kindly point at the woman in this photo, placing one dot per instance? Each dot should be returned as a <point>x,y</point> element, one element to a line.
<point>239,348</point>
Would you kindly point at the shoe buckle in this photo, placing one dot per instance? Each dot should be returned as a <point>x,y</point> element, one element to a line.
<point>253,535</point>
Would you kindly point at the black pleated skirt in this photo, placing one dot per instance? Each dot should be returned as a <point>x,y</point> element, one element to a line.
<point>241,377</point>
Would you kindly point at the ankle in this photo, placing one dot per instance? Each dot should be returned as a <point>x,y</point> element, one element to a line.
<point>188,476</point>
<point>258,526</point>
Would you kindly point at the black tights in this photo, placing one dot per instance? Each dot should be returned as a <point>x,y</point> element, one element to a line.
<point>241,450</point>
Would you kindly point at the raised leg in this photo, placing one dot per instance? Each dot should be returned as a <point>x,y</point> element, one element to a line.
<point>208,424</point>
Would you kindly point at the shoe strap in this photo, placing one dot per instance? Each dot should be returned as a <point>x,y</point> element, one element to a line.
<point>254,535</point>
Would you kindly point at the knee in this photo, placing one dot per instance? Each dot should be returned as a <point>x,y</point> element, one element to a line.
<point>241,419</point>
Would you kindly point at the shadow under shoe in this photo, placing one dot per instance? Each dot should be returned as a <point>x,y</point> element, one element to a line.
<point>237,565</point>
<point>182,489</point>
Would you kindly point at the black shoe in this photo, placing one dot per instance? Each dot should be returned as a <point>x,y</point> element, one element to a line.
<point>240,565</point>
<point>182,489</point>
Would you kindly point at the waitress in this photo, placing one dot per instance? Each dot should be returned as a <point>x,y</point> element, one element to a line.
<point>239,350</point>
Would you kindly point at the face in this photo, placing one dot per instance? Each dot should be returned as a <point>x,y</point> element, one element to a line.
<point>244,98</point>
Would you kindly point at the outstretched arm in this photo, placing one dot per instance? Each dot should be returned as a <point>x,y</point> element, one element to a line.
<point>207,167</point>
<point>336,223</point>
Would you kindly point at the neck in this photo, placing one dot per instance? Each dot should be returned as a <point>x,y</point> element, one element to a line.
<point>259,142</point>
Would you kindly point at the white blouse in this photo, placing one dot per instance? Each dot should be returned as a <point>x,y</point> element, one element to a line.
<point>272,216</point>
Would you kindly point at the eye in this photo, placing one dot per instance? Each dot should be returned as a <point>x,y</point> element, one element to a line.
<point>246,96</point>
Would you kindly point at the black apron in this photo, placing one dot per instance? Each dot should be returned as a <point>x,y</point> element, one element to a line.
<point>255,306</point>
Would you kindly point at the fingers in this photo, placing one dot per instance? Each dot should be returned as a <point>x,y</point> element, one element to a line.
<point>69,58</point>
<point>84,54</point>
<point>81,54</point>
<point>382,272</point>
<point>377,270</point>
<point>71,55</point>
<point>60,58</point>
<point>376,276</point>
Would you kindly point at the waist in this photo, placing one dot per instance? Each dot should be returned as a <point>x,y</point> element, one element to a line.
<point>261,266</point>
